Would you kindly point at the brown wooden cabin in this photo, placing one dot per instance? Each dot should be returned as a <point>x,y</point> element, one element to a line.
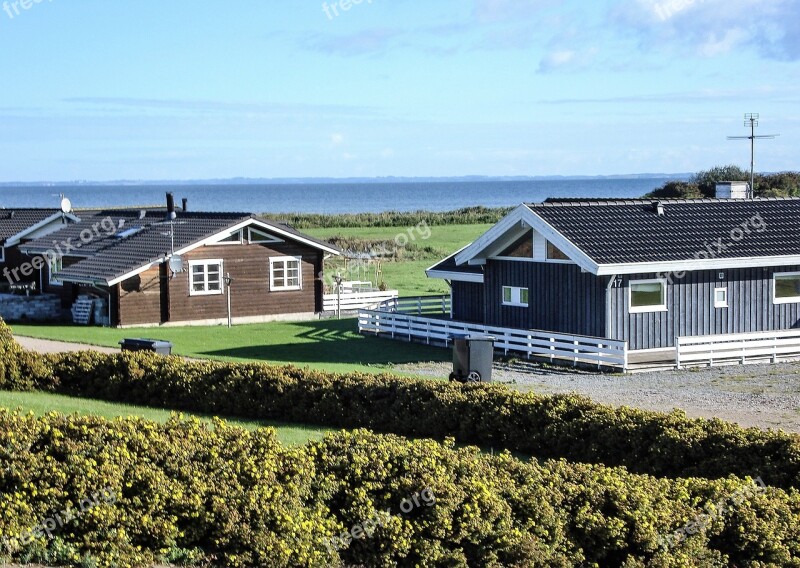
<point>152,271</point>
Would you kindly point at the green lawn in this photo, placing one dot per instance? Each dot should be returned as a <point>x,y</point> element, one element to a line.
<point>330,344</point>
<point>409,276</point>
<point>40,403</point>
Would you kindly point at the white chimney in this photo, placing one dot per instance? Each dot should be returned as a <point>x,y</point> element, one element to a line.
<point>732,190</point>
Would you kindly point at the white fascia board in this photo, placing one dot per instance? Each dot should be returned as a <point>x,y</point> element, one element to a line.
<point>459,276</point>
<point>693,265</point>
<point>562,243</point>
<point>500,228</point>
<point>253,221</point>
<point>11,241</point>
<point>136,272</point>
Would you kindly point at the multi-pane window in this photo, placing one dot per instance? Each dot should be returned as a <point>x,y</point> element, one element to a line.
<point>205,277</point>
<point>513,296</point>
<point>285,273</point>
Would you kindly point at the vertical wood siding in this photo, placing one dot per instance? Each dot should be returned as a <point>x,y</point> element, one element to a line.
<point>561,297</point>
<point>467,301</point>
<point>691,311</point>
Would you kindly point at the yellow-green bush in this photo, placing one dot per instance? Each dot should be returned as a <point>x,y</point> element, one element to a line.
<point>239,498</point>
<point>568,426</point>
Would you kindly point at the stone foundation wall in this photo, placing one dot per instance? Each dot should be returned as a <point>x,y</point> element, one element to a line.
<point>42,307</point>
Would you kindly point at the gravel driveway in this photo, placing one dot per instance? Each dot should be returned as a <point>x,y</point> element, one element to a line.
<point>767,396</point>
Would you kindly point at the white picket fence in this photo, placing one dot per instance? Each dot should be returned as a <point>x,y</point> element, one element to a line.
<point>421,305</point>
<point>351,301</point>
<point>737,348</point>
<point>531,343</point>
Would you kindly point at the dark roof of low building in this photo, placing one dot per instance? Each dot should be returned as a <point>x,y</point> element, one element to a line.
<point>123,241</point>
<point>631,230</point>
<point>449,265</point>
<point>15,221</point>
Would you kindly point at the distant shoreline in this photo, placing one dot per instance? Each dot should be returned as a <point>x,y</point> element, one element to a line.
<point>338,181</point>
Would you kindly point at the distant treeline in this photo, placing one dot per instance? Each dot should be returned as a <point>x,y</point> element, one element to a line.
<point>703,184</point>
<point>465,216</point>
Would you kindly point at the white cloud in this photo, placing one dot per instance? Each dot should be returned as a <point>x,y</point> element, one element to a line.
<point>337,139</point>
<point>567,60</point>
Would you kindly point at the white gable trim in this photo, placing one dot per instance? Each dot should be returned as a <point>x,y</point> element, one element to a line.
<point>11,241</point>
<point>215,237</point>
<point>458,276</point>
<point>694,265</point>
<point>486,244</point>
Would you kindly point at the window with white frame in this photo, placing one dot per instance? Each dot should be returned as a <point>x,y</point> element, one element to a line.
<point>256,236</point>
<point>786,287</point>
<point>647,296</point>
<point>513,296</point>
<point>232,239</point>
<point>205,277</point>
<point>285,273</point>
<point>720,297</point>
<point>55,265</point>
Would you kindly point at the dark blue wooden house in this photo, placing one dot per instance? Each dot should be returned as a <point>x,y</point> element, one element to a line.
<point>642,271</point>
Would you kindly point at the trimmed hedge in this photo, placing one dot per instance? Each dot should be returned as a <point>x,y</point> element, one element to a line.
<point>186,490</point>
<point>562,426</point>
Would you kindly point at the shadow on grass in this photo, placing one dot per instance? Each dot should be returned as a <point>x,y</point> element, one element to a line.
<point>333,341</point>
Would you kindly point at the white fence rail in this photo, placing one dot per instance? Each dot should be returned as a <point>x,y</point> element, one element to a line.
<point>531,343</point>
<point>423,305</point>
<point>713,349</point>
<point>356,300</point>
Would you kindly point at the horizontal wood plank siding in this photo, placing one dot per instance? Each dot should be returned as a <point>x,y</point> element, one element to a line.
<point>467,299</point>
<point>562,298</point>
<point>140,298</point>
<point>691,311</point>
<point>248,265</point>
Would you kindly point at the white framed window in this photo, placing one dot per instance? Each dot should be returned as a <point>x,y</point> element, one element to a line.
<point>647,296</point>
<point>232,239</point>
<point>786,287</point>
<point>285,273</point>
<point>513,296</point>
<point>256,236</point>
<point>55,265</point>
<point>720,297</point>
<point>554,254</point>
<point>205,277</point>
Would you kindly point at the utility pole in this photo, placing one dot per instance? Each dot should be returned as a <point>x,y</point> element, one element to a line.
<point>751,120</point>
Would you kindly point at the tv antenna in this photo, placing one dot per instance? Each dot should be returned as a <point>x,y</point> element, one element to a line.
<point>751,120</point>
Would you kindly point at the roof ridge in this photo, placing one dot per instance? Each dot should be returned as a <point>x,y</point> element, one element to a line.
<point>597,202</point>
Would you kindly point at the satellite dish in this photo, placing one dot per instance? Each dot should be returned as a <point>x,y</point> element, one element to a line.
<point>66,205</point>
<point>176,264</point>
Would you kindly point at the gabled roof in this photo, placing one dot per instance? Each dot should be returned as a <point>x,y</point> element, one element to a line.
<point>629,236</point>
<point>16,224</point>
<point>448,269</point>
<point>134,241</point>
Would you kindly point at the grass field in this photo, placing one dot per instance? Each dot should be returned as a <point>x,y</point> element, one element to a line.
<point>408,276</point>
<point>40,403</point>
<point>330,344</point>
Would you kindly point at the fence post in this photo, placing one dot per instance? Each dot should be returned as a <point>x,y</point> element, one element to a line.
<point>575,359</point>
<point>678,352</point>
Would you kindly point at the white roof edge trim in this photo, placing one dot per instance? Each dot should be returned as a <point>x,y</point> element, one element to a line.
<point>693,265</point>
<point>15,239</point>
<point>136,272</point>
<point>524,213</point>
<point>459,276</point>
<point>492,234</point>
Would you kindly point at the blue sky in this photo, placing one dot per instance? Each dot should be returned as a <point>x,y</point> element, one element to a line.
<point>103,90</point>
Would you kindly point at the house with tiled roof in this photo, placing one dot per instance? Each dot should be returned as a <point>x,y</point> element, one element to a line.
<point>150,268</point>
<point>19,226</point>
<point>651,273</point>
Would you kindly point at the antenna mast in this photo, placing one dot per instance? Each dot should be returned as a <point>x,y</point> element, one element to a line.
<point>751,120</point>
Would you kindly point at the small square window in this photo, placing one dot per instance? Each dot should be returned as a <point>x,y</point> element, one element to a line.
<point>720,297</point>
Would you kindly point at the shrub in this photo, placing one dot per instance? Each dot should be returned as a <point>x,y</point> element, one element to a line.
<point>188,492</point>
